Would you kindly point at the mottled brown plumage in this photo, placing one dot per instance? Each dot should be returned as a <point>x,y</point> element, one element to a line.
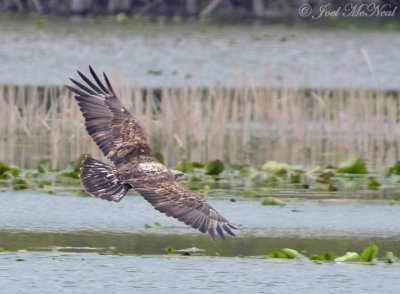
<point>121,138</point>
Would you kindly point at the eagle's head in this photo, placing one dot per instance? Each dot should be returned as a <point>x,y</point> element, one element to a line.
<point>178,175</point>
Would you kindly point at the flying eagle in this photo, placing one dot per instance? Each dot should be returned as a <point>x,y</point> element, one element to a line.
<point>120,137</point>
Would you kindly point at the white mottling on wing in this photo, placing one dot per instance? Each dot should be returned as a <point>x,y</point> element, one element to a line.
<point>151,166</point>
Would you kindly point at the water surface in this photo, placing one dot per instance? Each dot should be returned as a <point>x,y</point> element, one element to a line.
<point>157,54</point>
<point>50,273</point>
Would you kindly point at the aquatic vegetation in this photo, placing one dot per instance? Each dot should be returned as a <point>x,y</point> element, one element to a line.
<point>276,167</point>
<point>353,166</point>
<point>273,201</point>
<point>184,166</point>
<point>170,250</point>
<point>369,255</point>
<point>395,169</point>
<point>215,167</point>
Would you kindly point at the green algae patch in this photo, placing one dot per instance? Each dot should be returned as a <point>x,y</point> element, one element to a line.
<point>353,166</point>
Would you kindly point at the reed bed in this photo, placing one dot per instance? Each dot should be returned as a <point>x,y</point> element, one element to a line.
<point>244,124</point>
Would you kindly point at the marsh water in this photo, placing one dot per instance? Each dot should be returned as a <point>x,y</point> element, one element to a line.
<point>81,243</point>
<point>157,54</point>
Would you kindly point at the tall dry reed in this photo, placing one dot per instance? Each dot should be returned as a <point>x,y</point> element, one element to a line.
<point>243,124</point>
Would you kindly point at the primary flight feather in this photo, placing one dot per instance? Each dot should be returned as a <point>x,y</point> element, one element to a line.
<point>120,137</point>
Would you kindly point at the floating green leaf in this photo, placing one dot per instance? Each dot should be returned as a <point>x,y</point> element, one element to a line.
<point>4,168</point>
<point>348,257</point>
<point>325,256</point>
<point>284,253</point>
<point>369,253</point>
<point>170,250</point>
<point>395,169</point>
<point>248,172</point>
<point>20,184</point>
<point>184,166</point>
<point>157,226</point>
<point>44,166</point>
<point>215,167</point>
<point>273,201</point>
<point>197,164</point>
<point>276,167</point>
<point>2,250</point>
<point>373,184</point>
<point>389,257</point>
<point>290,253</point>
<point>353,166</point>
<point>277,254</point>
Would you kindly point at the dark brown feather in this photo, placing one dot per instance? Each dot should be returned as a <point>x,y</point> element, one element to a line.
<point>188,207</point>
<point>114,129</point>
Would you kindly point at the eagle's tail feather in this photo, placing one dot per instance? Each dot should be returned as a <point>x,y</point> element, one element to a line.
<point>99,180</point>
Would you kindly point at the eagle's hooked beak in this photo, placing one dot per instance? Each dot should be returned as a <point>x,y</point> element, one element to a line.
<point>184,178</point>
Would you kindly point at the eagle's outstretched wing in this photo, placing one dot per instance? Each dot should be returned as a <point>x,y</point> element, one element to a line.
<point>174,199</point>
<point>114,129</point>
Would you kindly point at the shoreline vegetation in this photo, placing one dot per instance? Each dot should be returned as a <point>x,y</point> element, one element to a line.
<point>240,125</point>
<point>286,12</point>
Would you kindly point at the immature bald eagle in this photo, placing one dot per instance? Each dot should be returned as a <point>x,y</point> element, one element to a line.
<point>121,138</point>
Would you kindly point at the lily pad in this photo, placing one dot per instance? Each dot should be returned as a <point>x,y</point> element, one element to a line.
<point>348,257</point>
<point>170,250</point>
<point>395,169</point>
<point>248,172</point>
<point>273,201</point>
<point>4,168</point>
<point>373,184</point>
<point>197,164</point>
<point>44,166</point>
<point>325,256</point>
<point>276,167</point>
<point>353,166</point>
<point>184,166</point>
<point>369,253</point>
<point>215,167</point>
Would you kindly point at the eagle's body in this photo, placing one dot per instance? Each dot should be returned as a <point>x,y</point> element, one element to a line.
<point>121,138</point>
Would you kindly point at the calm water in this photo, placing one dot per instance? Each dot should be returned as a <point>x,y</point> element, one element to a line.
<point>49,54</point>
<point>64,234</point>
<point>60,273</point>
